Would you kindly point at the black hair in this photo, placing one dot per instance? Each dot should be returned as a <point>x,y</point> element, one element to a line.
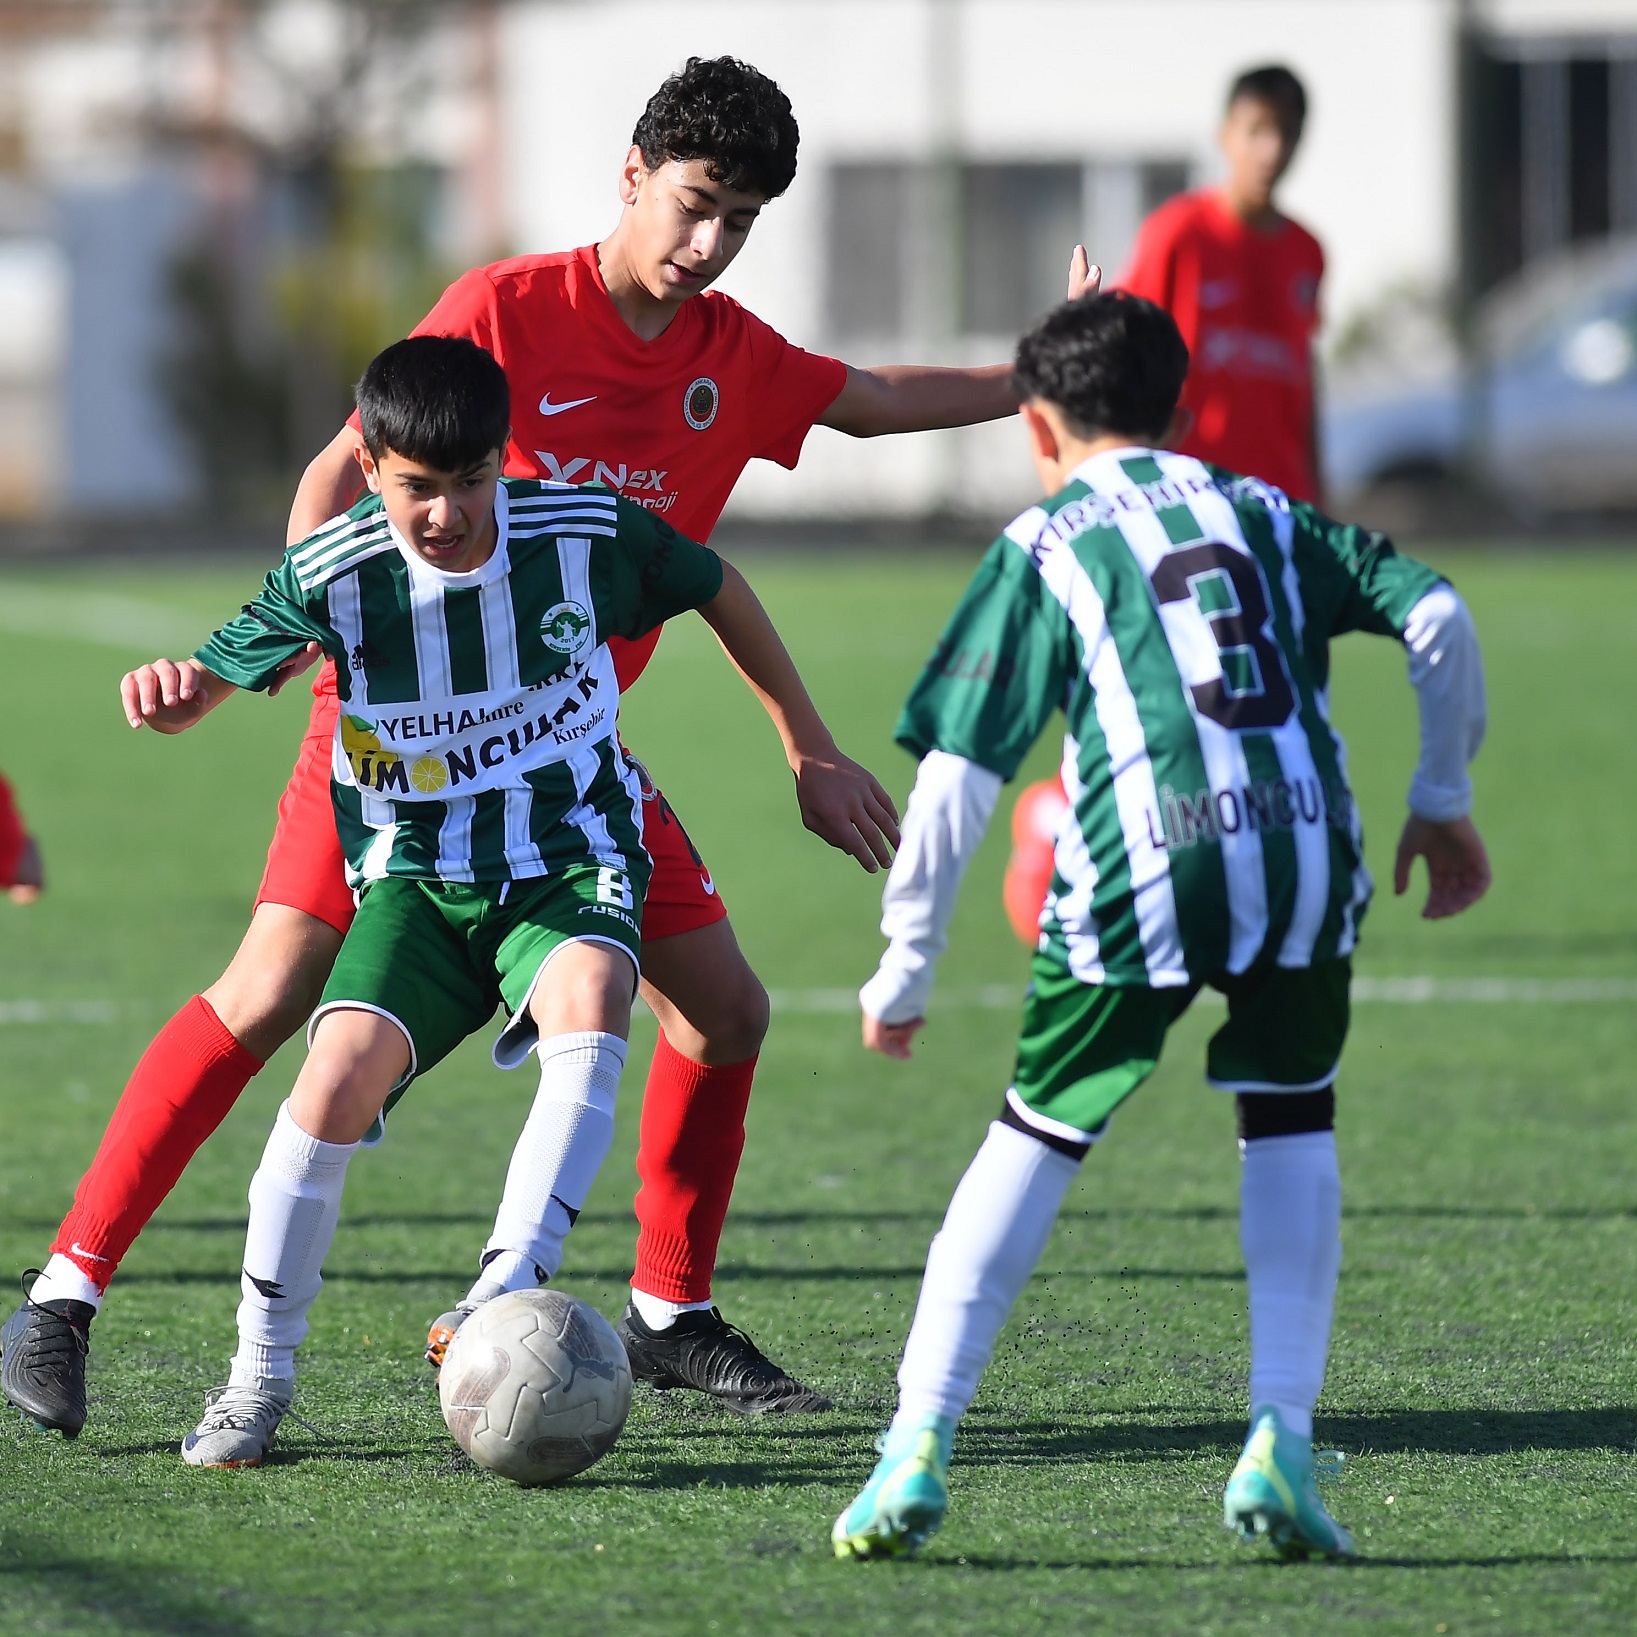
<point>1111,362</point>
<point>438,400</point>
<point>1275,85</point>
<point>727,113</point>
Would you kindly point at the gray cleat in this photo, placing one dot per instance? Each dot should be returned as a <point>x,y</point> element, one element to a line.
<point>239,1423</point>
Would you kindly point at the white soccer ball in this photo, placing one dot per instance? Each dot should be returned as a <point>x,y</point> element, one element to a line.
<point>535,1386</point>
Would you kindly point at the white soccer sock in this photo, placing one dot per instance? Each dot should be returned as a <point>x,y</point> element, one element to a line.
<point>994,1231</point>
<point>63,1280</point>
<point>1290,1231</point>
<point>658,1313</point>
<point>564,1141</point>
<point>295,1202</point>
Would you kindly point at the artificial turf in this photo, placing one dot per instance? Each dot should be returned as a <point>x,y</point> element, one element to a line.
<point>1484,1372</point>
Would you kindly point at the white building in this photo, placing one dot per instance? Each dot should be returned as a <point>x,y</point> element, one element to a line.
<point>954,150</point>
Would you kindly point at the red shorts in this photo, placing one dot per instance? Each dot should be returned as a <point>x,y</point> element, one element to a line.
<point>305,869</point>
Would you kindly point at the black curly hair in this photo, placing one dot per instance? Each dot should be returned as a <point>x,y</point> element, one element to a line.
<point>1111,362</point>
<point>727,113</point>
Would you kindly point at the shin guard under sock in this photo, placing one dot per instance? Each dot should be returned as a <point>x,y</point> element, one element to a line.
<point>564,1142</point>
<point>692,1136</point>
<point>1290,1231</point>
<point>295,1202</point>
<point>180,1091</point>
<point>994,1231</point>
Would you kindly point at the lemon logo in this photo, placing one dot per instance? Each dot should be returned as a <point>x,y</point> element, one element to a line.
<point>565,627</point>
<point>362,749</point>
<point>428,775</point>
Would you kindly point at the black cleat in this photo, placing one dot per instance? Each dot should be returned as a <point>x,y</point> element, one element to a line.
<point>703,1351</point>
<point>43,1347</point>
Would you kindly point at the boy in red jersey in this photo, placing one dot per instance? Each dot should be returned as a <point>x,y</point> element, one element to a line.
<point>1242,282</point>
<point>21,873</point>
<point>621,373</point>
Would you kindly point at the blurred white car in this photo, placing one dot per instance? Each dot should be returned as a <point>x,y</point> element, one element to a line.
<point>1549,414</point>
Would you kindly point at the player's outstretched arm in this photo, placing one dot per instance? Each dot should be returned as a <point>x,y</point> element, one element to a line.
<point>919,398</point>
<point>169,695</point>
<point>840,801</point>
<point>1458,873</point>
<point>949,810</point>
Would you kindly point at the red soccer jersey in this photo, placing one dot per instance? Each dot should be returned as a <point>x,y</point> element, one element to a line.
<point>1247,303</point>
<point>13,837</point>
<point>670,423</point>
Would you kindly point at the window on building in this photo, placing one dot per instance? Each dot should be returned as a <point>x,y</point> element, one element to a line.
<point>1017,223</point>
<point>870,245</point>
<point>915,250</point>
<point>1550,151</point>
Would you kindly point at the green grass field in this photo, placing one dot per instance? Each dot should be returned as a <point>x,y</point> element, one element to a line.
<point>1485,1366</point>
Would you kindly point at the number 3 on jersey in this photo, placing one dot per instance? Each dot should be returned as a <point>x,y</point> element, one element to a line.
<point>1252,690</point>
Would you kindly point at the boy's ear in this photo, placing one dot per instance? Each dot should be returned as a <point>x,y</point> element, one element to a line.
<point>631,175</point>
<point>372,472</point>
<point>1042,435</point>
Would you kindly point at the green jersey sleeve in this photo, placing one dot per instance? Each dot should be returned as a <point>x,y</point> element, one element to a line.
<point>1355,575</point>
<point>277,624</point>
<point>998,672</point>
<point>649,573</point>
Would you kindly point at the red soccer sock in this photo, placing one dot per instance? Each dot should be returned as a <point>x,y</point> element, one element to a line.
<point>693,1132</point>
<point>187,1080</point>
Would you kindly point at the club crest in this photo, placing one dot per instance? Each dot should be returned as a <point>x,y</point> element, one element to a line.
<point>700,403</point>
<point>565,627</point>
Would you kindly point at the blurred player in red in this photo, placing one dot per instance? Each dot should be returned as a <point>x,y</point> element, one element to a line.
<point>1241,279</point>
<point>626,370</point>
<point>21,874</point>
<point>1242,282</point>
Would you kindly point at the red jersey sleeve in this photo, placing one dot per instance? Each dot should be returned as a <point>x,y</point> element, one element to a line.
<point>793,388</point>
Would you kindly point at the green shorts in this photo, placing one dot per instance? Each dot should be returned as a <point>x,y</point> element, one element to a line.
<point>1085,1048</point>
<point>436,956</point>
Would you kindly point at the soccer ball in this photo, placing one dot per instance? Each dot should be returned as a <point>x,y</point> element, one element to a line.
<point>535,1386</point>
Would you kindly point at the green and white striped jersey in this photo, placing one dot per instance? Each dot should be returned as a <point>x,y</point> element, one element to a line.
<point>1180,617</point>
<point>476,740</point>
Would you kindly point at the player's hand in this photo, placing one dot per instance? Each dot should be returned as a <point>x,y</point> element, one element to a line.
<point>28,879</point>
<point>845,805</point>
<point>891,1039</point>
<point>1084,279</point>
<point>1458,873</point>
<point>296,665</point>
<point>167,695</point>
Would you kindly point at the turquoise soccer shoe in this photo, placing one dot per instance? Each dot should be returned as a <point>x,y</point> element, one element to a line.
<point>903,1504</point>
<point>1271,1495</point>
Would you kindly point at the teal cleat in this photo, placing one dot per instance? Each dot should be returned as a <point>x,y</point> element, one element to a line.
<point>1271,1495</point>
<point>903,1504</point>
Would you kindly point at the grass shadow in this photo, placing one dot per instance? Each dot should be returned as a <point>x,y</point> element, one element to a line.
<point>993,1441</point>
<point>126,1596</point>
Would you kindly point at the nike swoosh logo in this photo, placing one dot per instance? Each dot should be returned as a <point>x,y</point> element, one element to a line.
<point>547,407</point>
<point>77,1249</point>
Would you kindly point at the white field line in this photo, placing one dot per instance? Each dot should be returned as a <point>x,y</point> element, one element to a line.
<point>101,619</point>
<point>1384,991</point>
<point>1009,997</point>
